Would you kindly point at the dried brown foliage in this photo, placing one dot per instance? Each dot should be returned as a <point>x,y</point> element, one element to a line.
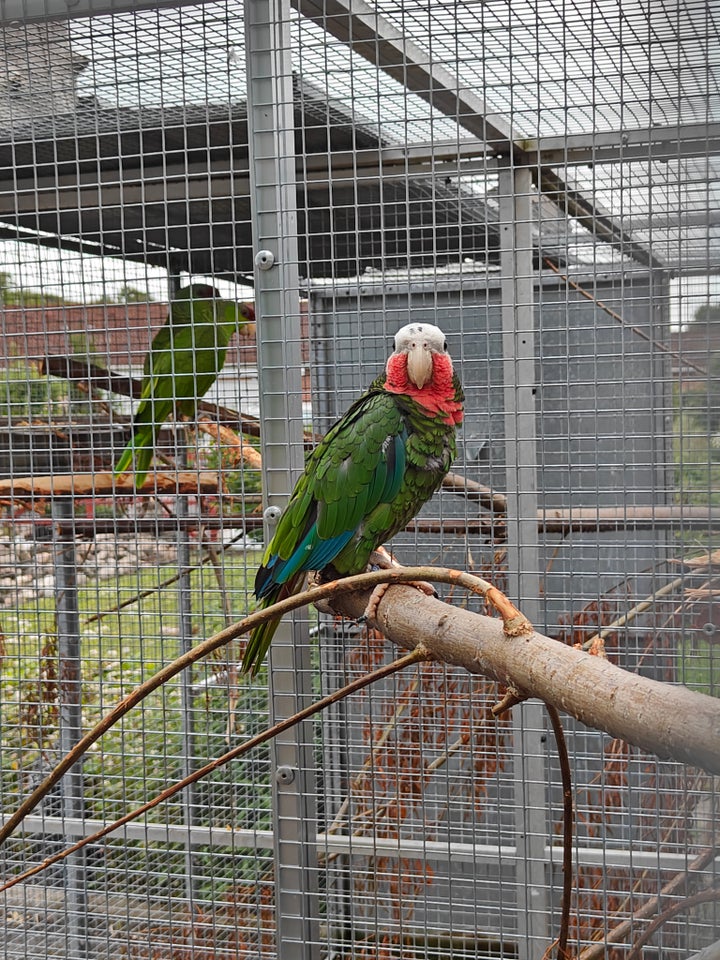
<point>658,799</point>
<point>435,719</point>
<point>37,718</point>
<point>239,928</point>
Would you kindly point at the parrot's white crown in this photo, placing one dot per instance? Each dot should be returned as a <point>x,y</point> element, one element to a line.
<point>420,334</point>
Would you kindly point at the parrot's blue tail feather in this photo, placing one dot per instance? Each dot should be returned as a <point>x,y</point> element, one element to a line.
<point>261,637</point>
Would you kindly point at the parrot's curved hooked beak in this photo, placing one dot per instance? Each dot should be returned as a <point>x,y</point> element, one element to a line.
<point>419,363</point>
<point>241,315</point>
<point>246,313</point>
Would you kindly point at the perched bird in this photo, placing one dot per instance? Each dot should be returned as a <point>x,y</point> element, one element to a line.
<point>369,475</point>
<point>184,360</point>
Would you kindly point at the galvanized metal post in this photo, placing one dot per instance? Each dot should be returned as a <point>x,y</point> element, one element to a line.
<point>185,631</point>
<point>70,714</point>
<point>271,130</point>
<point>518,328</point>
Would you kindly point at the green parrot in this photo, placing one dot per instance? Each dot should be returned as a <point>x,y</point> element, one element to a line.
<point>184,360</point>
<point>368,477</point>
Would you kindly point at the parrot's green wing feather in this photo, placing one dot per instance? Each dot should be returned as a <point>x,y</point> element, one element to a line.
<point>360,463</point>
<point>162,344</point>
<point>367,478</point>
<point>358,467</point>
<point>183,362</point>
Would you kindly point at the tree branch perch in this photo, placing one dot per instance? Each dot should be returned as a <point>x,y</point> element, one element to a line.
<point>671,721</point>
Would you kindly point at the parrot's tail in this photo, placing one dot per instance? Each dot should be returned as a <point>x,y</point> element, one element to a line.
<point>261,637</point>
<point>138,454</point>
<point>259,643</point>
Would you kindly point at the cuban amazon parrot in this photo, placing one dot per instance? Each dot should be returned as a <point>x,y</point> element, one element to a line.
<point>368,477</point>
<point>184,360</point>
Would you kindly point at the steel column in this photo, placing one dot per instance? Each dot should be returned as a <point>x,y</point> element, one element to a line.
<point>188,760</point>
<point>274,214</point>
<point>518,330</point>
<point>70,714</point>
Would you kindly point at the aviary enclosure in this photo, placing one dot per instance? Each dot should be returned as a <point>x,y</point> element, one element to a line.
<point>540,180</point>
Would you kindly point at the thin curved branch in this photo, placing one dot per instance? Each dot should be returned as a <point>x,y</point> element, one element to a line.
<point>708,895</point>
<point>280,727</point>
<point>646,604</point>
<point>136,696</point>
<point>638,331</point>
<point>568,823</point>
<point>597,951</point>
<point>649,714</point>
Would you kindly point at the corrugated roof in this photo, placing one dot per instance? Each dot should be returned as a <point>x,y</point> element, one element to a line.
<point>153,164</point>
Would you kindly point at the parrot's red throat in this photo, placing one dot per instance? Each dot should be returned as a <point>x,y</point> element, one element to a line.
<point>438,394</point>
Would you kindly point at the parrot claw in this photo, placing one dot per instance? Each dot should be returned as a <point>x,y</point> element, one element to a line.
<point>374,601</point>
<point>381,559</point>
<point>424,587</point>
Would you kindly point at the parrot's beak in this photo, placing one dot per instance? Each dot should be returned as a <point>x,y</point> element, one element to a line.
<point>241,315</point>
<point>248,328</point>
<point>419,364</point>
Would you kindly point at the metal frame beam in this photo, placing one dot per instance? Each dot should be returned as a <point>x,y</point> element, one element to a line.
<point>357,24</point>
<point>680,141</point>
<point>70,709</point>
<point>216,181</point>
<point>337,843</point>
<point>27,11</point>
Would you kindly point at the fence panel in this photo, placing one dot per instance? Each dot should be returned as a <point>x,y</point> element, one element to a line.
<point>540,183</point>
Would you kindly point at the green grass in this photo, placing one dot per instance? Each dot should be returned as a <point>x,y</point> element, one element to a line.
<point>697,463</point>
<point>699,666</point>
<point>157,613</point>
<point>138,757</point>
<point>697,481</point>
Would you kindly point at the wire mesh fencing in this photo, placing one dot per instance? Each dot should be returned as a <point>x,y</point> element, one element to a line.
<point>540,183</point>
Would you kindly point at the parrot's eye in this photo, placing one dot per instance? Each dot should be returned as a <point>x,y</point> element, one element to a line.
<point>445,346</point>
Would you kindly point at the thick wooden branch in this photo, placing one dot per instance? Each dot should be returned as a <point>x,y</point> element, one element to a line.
<point>107,484</point>
<point>80,371</point>
<point>70,368</point>
<point>240,452</point>
<point>670,721</point>
<point>472,490</point>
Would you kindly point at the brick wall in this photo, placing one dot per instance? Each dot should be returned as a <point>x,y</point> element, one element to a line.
<point>114,335</point>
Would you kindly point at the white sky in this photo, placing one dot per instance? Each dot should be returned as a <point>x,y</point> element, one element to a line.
<point>196,55</point>
<point>83,278</point>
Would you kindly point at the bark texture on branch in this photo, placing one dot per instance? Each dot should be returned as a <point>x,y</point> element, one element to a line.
<point>671,721</point>
<point>81,371</point>
<point>103,484</point>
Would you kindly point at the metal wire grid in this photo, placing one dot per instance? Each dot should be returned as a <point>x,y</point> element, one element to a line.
<point>463,857</point>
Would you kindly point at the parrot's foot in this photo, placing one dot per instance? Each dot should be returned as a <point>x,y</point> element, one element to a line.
<point>374,601</point>
<point>382,559</point>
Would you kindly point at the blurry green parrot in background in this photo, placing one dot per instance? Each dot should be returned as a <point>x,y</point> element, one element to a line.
<point>367,477</point>
<point>183,362</point>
